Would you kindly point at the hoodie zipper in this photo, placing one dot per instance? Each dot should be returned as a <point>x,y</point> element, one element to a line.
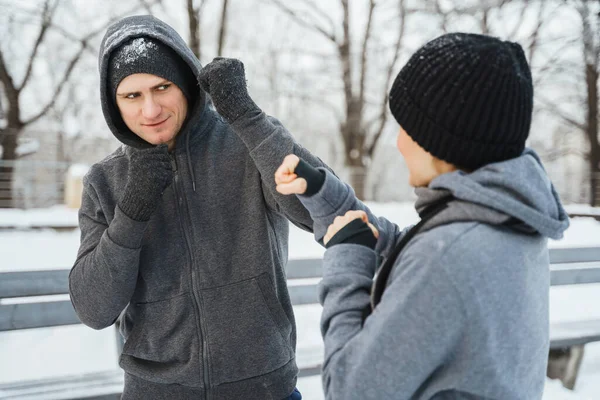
<point>197,302</point>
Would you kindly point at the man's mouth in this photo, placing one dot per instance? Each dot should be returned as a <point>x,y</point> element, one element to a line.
<point>156,124</point>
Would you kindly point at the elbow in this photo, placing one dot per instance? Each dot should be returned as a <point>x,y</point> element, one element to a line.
<point>90,314</point>
<point>95,323</point>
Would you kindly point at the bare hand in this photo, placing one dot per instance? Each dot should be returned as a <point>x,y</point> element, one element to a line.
<point>285,178</point>
<point>340,222</point>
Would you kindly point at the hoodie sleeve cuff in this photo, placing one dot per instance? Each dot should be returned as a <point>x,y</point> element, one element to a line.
<point>125,231</point>
<point>349,259</point>
<point>323,206</point>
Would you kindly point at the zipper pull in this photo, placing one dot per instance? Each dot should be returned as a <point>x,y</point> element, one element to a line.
<point>173,163</point>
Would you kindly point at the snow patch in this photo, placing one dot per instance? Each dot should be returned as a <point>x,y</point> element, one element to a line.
<point>131,52</point>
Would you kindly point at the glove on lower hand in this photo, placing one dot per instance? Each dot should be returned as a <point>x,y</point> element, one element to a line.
<point>150,173</point>
<point>225,80</point>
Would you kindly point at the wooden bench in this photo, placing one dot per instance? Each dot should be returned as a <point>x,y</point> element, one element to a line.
<point>568,267</point>
<point>49,312</point>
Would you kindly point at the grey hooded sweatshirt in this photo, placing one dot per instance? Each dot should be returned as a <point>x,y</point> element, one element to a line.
<point>465,311</point>
<point>200,289</point>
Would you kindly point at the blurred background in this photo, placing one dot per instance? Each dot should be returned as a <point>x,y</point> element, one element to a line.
<point>324,69</point>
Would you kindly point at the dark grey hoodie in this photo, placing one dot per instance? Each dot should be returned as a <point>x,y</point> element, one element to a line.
<point>200,289</point>
<point>465,312</point>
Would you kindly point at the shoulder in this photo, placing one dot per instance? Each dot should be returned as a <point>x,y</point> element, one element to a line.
<point>475,256</point>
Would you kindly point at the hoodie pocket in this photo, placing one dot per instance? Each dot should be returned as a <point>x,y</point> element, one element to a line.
<point>163,345</point>
<point>248,333</point>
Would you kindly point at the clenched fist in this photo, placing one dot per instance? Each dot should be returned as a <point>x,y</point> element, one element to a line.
<point>225,80</point>
<point>150,173</point>
<point>296,176</point>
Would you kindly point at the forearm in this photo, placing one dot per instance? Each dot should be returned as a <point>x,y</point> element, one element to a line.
<point>103,279</point>
<point>334,198</point>
<point>268,143</point>
<point>344,294</point>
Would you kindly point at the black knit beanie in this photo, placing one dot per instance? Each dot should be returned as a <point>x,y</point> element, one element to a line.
<point>144,55</point>
<point>466,99</point>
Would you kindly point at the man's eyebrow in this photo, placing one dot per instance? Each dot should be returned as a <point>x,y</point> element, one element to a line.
<point>126,93</point>
<point>165,82</point>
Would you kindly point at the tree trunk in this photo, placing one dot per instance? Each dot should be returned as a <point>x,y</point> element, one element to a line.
<point>358,176</point>
<point>194,27</point>
<point>592,133</point>
<point>9,156</point>
<point>222,29</point>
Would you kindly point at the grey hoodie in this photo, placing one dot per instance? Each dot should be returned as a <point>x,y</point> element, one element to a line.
<point>200,289</point>
<point>465,312</point>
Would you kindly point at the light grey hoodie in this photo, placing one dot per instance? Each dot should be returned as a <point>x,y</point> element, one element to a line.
<point>200,289</point>
<point>465,312</point>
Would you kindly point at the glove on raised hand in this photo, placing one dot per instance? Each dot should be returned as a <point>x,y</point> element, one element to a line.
<point>150,173</point>
<point>225,80</point>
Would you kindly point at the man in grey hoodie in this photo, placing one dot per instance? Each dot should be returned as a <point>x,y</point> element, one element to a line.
<point>459,307</point>
<point>183,235</point>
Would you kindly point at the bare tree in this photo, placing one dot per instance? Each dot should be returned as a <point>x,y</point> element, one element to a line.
<point>358,137</point>
<point>589,13</point>
<point>194,12</point>
<point>15,122</point>
<point>586,73</point>
<point>195,22</point>
<point>222,29</point>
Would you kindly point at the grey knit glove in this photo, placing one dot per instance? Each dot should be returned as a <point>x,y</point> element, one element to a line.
<point>150,173</point>
<point>225,80</point>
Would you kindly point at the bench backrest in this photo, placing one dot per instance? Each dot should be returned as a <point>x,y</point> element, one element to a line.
<point>21,309</point>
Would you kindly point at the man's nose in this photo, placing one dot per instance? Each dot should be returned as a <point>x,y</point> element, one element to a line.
<point>150,109</point>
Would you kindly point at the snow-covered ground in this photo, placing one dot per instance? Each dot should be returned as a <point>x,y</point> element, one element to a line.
<point>52,352</point>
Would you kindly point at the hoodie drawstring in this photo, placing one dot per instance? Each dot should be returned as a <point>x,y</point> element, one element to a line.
<point>189,159</point>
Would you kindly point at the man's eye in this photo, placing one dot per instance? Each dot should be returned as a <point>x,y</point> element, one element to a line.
<point>132,95</point>
<point>164,87</point>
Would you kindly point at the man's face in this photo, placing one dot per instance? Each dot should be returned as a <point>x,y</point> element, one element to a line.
<point>152,107</point>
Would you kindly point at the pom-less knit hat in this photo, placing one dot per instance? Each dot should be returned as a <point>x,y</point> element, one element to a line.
<point>145,55</point>
<point>466,99</point>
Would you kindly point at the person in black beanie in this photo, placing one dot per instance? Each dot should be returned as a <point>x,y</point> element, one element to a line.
<point>456,306</point>
<point>183,235</point>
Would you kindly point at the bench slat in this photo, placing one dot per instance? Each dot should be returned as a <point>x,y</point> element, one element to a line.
<point>575,274</point>
<point>34,283</point>
<point>567,334</point>
<point>304,294</point>
<point>574,255</point>
<point>305,268</point>
<point>37,315</point>
<point>98,385</point>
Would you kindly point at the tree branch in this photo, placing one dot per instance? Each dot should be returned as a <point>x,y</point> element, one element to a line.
<point>194,25</point>
<point>47,15</point>
<point>303,22</point>
<point>536,33</point>
<point>59,87</point>
<point>519,23</point>
<point>389,76</point>
<point>363,57</point>
<point>313,6</point>
<point>223,28</point>
<point>6,79</point>
<point>557,112</point>
<point>345,60</point>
